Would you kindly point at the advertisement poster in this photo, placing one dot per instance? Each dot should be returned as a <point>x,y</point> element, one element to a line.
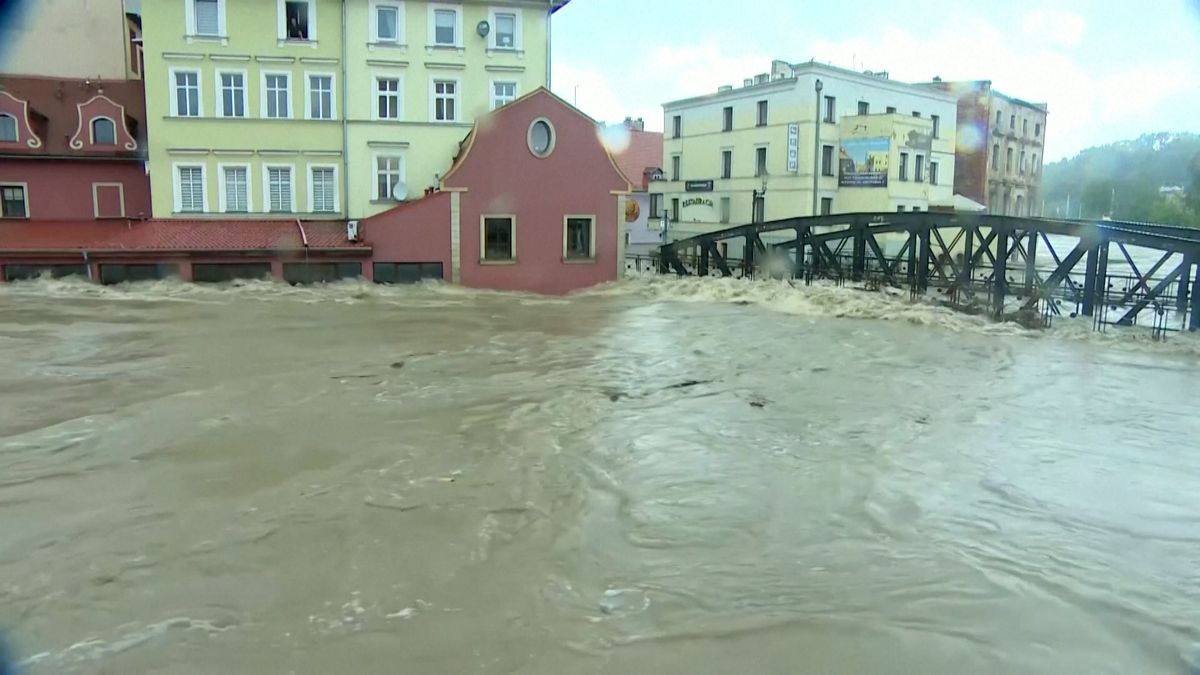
<point>864,162</point>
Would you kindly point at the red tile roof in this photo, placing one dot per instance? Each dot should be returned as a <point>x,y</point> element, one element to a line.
<point>178,236</point>
<point>643,152</point>
<point>54,108</point>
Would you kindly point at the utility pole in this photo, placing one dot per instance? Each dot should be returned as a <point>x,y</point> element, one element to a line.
<point>817,149</point>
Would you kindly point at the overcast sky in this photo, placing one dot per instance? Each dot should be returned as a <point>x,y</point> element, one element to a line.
<point>1109,70</point>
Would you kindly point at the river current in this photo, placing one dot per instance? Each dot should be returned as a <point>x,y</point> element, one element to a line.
<point>660,476</point>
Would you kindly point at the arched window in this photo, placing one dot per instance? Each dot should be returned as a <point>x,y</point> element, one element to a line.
<point>8,129</point>
<point>104,132</point>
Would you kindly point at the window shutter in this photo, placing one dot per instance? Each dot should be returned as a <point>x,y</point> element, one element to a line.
<point>207,17</point>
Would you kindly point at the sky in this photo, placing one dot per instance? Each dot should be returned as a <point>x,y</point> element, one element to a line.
<point>1109,70</point>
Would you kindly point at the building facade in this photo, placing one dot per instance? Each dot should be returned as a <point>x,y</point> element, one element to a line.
<point>71,39</point>
<point>325,109</point>
<point>638,154</point>
<point>864,141</point>
<point>1000,150</point>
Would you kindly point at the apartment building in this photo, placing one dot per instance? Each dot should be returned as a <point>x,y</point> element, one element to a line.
<point>327,109</point>
<point>1000,158</point>
<point>71,39</point>
<point>805,139</point>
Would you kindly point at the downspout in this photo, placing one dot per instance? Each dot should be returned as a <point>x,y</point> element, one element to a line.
<point>303,236</point>
<point>345,125</point>
<point>549,40</point>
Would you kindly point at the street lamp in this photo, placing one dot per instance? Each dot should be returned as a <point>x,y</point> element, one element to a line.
<point>817,148</point>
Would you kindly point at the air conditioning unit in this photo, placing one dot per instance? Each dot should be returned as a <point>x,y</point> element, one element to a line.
<point>352,231</point>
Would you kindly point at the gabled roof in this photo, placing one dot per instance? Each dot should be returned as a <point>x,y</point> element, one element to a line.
<point>645,151</point>
<point>53,110</point>
<point>175,236</point>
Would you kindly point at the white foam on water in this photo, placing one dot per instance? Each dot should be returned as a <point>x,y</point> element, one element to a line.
<point>94,649</point>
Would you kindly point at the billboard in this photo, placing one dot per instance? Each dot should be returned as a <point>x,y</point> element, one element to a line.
<point>864,162</point>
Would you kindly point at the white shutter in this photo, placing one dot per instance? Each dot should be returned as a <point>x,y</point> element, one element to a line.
<point>207,17</point>
<point>323,190</point>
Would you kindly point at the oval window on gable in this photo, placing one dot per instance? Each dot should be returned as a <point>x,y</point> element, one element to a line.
<point>541,137</point>
<point>104,132</point>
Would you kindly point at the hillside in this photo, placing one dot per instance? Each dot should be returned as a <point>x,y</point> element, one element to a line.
<point>1124,180</point>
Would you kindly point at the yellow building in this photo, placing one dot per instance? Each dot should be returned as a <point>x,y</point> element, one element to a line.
<point>324,108</point>
<point>880,145</point>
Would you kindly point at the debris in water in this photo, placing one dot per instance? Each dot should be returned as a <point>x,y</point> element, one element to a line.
<point>406,613</point>
<point>688,383</point>
<point>391,507</point>
<point>398,365</point>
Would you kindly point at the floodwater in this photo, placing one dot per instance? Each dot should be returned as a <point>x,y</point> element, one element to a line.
<point>663,476</point>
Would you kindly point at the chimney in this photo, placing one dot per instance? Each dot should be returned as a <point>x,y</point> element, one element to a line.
<point>762,78</point>
<point>747,82</point>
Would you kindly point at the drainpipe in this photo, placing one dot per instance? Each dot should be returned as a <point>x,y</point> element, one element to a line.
<point>303,236</point>
<point>549,40</point>
<point>817,151</point>
<point>345,125</point>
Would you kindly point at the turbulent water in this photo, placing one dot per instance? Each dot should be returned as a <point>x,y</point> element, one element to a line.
<point>697,476</point>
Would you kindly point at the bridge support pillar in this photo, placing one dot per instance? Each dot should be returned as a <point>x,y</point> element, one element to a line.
<point>1031,263</point>
<point>912,259</point>
<point>1000,274</point>
<point>923,265</point>
<point>801,243</point>
<point>748,258</point>
<point>967,269</point>
<point>860,253</point>
<point>1089,282</point>
<point>1102,276</point>
<point>703,269</point>
<point>1194,322</point>
<point>1185,280</point>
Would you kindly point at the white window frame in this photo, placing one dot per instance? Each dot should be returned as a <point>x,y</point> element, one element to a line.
<point>178,186</point>
<point>96,198</point>
<point>591,256</point>
<point>92,129</point>
<point>266,189</point>
<point>493,34</point>
<point>222,190</point>
<point>308,91</point>
<point>190,19</point>
<point>512,242</point>
<point>16,128</point>
<point>398,5</point>
<point>264,95</point>
<point>492,89</point>
<point>219,110</point>
<point>375,93</point>
<point>281,13</point>
<point>433,80</point>
<point>171,73</point>
<point>431,14</point>
<point>24,195</point>
<point>375,173</point>
<point>337,201</point>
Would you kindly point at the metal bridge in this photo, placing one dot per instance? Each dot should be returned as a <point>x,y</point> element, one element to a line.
<point>1118,273</point>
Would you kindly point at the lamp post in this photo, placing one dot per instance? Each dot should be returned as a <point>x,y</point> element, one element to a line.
<point>817,148</point>
<point>755,196</point>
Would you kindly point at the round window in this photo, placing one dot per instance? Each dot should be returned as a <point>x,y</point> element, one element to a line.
<point>541,138</point>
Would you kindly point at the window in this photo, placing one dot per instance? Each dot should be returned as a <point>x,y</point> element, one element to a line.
<point>279,189</point>
<point>676,126</point>
<point>232,94</point>
<point>919,171</point>
<point>1008,167</point>
<point>1033,166</point>
<point>189,196</point>
<point>727,119</point>
<point>675,209</point>
<point>506,30</point>
<point>891,110</point>
<point>917,114</point>
<point>655,206</point>
<point>186,102</point>
<point>830,109</point>
<point>499,238</point>
<point>1024,127</point>
<point>387,98</point>
<point>933,173</point>
<point>937,125</point>
<point>1012,122</point>
<point>503,93</point>
<point>387,17</point>
<point>864,108</point>
<point>104,131</point>
<point>998,117</point>
<point>1020,202</point>
<point>900,209</point>
<point>320,97</point>
<point>578,235</point>
<point>320,273</point>
<point>1037,130</point>
<point>389,172</point>
<point>445,27</point>
<point>406,273</point>
<point>298,20</point>
<point>827,160</point>
<point>206,17</point>
<point>726,209</point>
<point>726,164</point>
<point>235,189</point>
<point>1021,165</point>
<point>760,162</point>
<point>12,202</point>
<point>8,129</point>
<point>108,200</point>
<point>762,113</point>
<point>276,94</point>
<point>676,160</point>
<point>826,205</point>
<point>541,137</point>
<point>916,209</point>
<point>904,166</point>
<point>322,189</point>
<point>445,100</point>
<point>996,157</point>
<point>760,209</point>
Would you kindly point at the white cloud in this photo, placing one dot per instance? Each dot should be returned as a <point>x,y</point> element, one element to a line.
<point>1055,27</point>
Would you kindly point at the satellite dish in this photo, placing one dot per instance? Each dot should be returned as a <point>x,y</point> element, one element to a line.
<point>400,191</point>
<point>483,28</point>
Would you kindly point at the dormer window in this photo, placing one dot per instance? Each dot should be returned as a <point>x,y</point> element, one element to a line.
<point>8,129</point>
<point>104,131</point>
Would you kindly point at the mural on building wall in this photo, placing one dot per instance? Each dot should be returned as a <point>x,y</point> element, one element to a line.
<point>864,162</point>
